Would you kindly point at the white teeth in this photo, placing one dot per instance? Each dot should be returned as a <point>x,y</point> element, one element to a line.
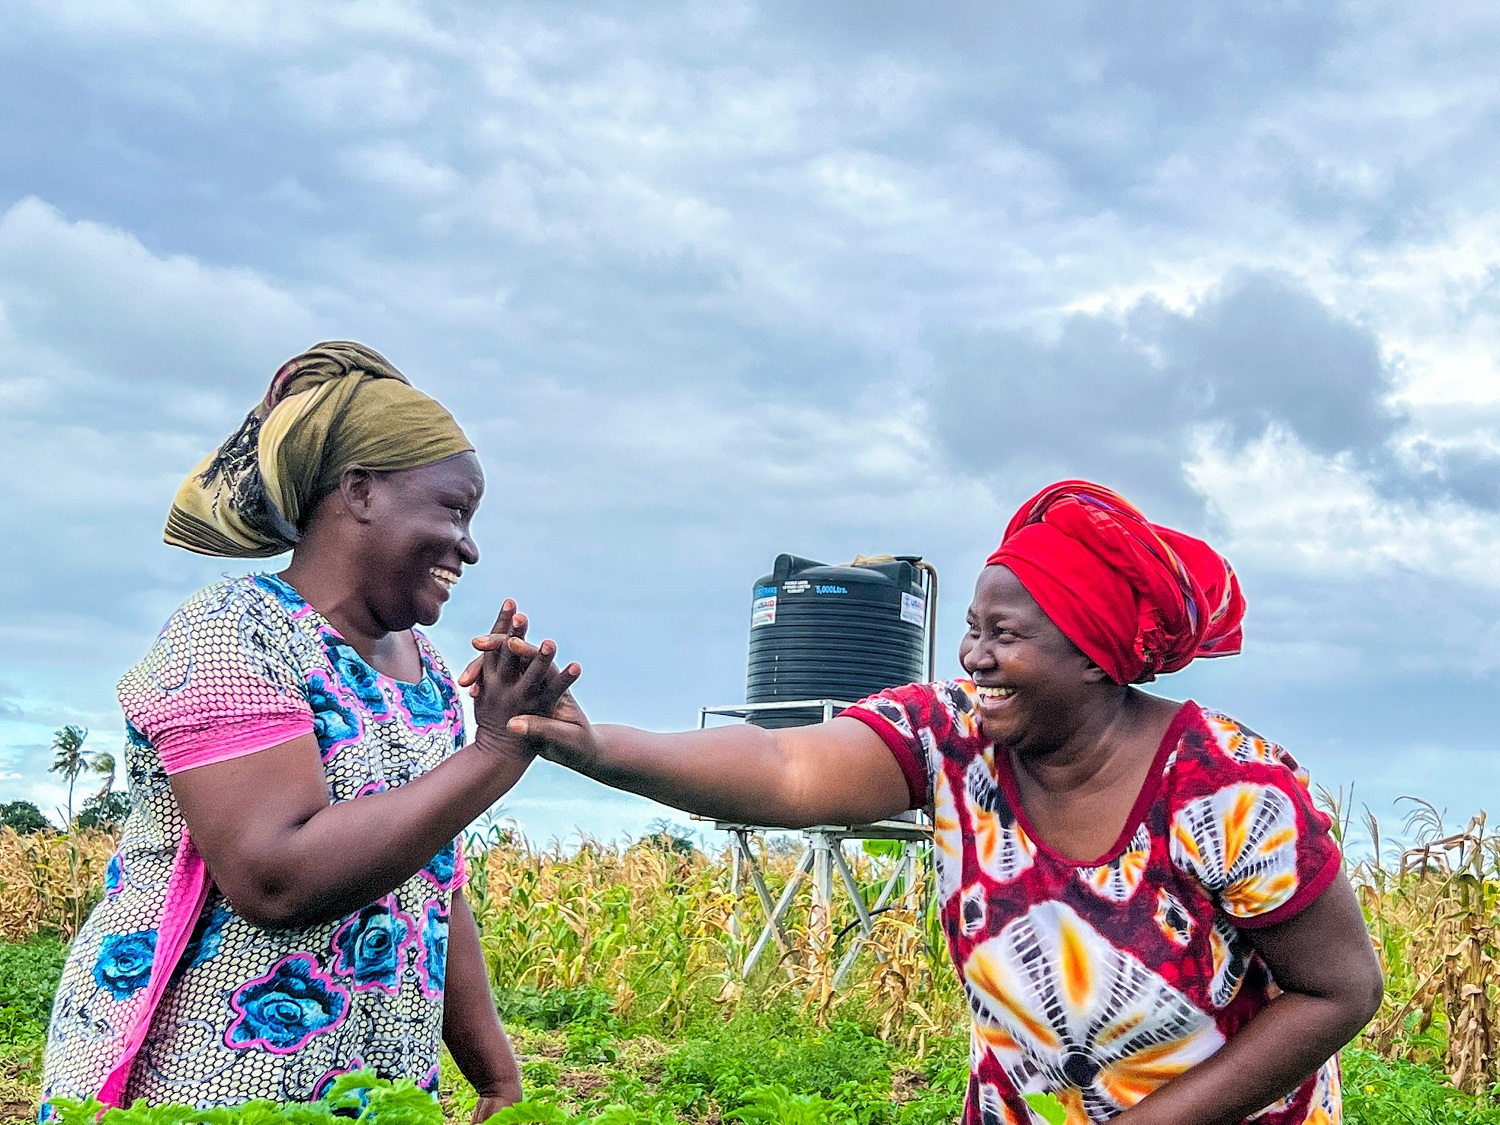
<point>994,692</point>
<point>446,577</point>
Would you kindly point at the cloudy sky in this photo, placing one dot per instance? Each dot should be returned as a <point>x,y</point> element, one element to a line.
<point>711,281</point>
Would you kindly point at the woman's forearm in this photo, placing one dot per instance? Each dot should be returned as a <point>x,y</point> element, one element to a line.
<point>471,1027</point>
<point>1331,987</point>
<point>837,772</point>
<point>1275,1052</point>
<point>400,830</point>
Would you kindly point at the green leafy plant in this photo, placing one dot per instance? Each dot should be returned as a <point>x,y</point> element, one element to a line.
<point>776,1105</point>
<point>28,979</point>
<point>523,1112</point>
<point>778,1049</point>
<point>1380,1092</point>
<point>1048,1108</point>
<point>553,1008</point>
<point>589,1044</point>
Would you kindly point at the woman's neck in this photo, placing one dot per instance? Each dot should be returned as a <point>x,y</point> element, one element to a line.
<point>1089,756</point>
<point>329,591</point>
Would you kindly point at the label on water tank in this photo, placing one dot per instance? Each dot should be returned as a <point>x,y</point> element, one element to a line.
<point>762,612</point>
<point>795,586</point>
<point>913,609</point>
<point>765,591</point>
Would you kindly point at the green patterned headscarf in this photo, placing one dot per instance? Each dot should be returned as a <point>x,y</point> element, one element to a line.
<point>337,406</point>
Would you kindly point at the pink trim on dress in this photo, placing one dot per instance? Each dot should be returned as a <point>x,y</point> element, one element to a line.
<point>187,891</point>
<point>224,741</point>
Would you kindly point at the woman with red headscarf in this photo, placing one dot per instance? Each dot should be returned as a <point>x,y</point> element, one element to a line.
<point>1146,910</point>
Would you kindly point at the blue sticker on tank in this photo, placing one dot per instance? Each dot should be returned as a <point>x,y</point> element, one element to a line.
<point>765,591</point>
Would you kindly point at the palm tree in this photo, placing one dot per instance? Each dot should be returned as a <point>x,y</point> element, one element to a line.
<point>70,759</point>
<point>103,765</point>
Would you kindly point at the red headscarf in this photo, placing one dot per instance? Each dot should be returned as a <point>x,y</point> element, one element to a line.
<point>1135,597</point>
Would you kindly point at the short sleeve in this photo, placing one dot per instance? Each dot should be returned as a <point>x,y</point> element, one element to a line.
<point>912,720</point>
<point>219,682</point>
<point>1249,833</point>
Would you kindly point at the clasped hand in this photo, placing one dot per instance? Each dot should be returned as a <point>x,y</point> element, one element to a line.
<point>511,678</point>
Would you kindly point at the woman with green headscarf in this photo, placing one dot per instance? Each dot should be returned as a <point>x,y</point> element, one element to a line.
<point>287,904</point>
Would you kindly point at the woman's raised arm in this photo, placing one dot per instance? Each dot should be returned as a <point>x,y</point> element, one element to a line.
<point>286,857</point>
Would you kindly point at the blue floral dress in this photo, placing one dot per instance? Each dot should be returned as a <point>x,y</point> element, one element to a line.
<point>168,993</point>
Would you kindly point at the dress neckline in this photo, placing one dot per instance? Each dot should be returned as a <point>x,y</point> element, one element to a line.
<point>325,625</point>
<point>1005,775</point>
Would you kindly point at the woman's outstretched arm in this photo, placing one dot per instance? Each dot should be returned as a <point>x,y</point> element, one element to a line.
<point>838,772</point>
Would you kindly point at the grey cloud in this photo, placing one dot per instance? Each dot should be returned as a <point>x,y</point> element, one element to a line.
<point>1120,398</point>
<point>1467,471</point>
<point>111,333</point>
<point>1262,349</point>
<point>1472,474</point>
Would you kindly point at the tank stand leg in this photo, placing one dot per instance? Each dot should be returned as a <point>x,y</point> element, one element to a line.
<point>738,845</point>
<point>901,879</point>
<point>820,924</point>
<point>774,913</point>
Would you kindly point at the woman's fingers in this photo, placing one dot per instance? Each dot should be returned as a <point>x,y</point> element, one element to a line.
<point>558,686</point>
<point>503,619</point>
<point>470,675</point>
<point>535,674</point>
<point>509,667</point>
<point>569,742</point>
<point>510,623</point>
<point>543,683</point>
<point>507,625</point>
<point>523,650</point>
<point>553,731</point>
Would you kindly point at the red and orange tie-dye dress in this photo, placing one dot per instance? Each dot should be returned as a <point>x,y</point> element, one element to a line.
<point>1098,982</point>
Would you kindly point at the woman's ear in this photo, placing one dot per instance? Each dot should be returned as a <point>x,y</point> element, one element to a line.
<point>1093,674</point>
<point>357,493</point>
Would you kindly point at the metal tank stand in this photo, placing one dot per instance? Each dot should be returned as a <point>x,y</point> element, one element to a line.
<point>822,856</point>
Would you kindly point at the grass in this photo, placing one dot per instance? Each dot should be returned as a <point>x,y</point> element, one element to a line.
<point>1382,1092</point>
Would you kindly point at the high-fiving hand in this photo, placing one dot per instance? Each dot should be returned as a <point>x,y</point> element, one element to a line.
<point>511,678</point>
<point>537,705</point>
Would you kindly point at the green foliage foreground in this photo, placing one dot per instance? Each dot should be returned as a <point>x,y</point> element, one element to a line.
<point>768,1064</point>
<point>1378,1092</point>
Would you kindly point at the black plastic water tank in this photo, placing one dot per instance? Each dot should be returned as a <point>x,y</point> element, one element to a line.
<point>833,632</point>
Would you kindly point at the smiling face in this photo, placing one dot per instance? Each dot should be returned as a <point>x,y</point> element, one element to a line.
<point>416,539</point>
<point>1031,679</point>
